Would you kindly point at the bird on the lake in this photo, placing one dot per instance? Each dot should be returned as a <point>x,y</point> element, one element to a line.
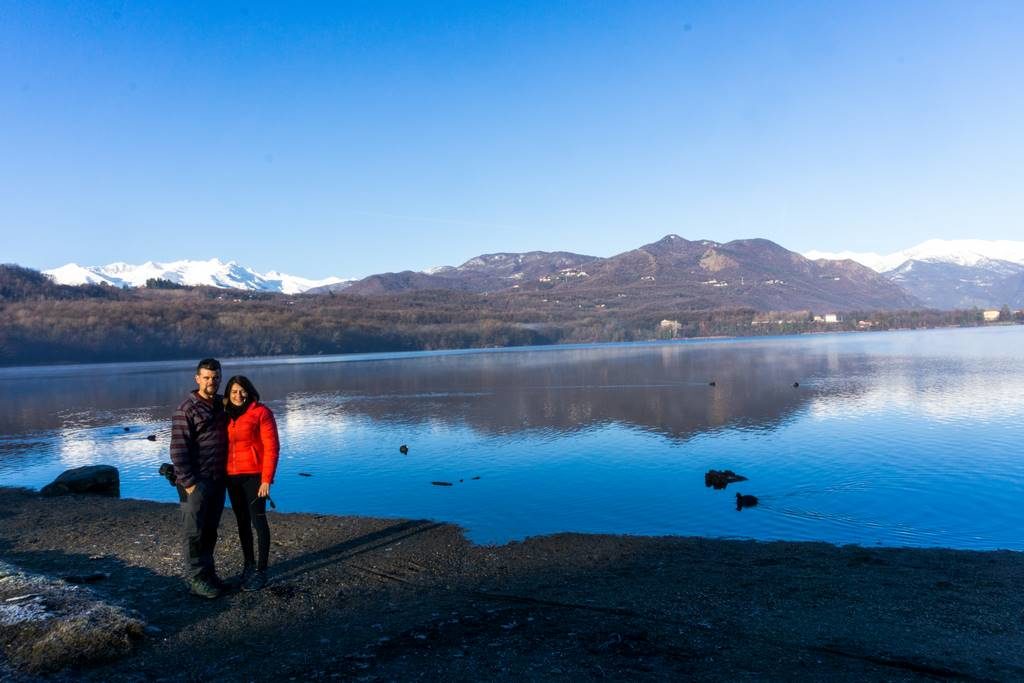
<point>743,501</point>
<point>403,449</point>
<point>796,384</point>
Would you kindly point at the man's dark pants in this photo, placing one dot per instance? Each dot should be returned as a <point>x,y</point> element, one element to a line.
<point>200,517</point>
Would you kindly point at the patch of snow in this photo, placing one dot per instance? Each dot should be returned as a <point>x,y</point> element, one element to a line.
<point>20,612</point>
<point>293,284</point>
<point>958,252</point>
<point>212,273</point>
<point>74,274</point>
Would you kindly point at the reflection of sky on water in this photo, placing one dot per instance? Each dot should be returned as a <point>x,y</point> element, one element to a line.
<point>976,393</point>
<point>77,447</point>
<point>895,438</point>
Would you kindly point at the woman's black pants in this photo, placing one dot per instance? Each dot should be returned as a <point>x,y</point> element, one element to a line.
<point>250,511</point>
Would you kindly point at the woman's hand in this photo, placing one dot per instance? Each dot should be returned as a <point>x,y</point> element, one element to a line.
<point>264,491</point>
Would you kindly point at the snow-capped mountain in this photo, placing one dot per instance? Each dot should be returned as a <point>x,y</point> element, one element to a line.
<point>213,273</point>
<point>951,273</point>
<point>293,284</point>
<point>969,253</point>
<point>990,284</point>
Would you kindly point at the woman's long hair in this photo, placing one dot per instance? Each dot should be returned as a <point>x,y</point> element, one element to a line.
<point>252,395</point>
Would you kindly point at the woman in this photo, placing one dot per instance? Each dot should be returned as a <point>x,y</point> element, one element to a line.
<point>253,450</point>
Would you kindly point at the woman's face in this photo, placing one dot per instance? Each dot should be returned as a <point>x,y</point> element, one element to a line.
<point>237,395</point>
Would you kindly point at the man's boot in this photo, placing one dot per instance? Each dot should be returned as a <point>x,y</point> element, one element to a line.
<point>201,587</point>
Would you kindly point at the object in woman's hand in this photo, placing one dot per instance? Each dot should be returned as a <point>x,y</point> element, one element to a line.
<point>167,472</point>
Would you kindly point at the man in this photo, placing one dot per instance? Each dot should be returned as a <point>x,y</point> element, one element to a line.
<point>199,449</point>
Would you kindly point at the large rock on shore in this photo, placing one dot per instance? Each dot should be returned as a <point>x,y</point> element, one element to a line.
<point>102,480</point>
<point>47,625</point>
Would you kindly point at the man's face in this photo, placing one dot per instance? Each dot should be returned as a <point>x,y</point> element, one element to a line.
<point>208,381</point>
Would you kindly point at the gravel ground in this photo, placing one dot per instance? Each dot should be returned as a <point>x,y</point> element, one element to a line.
<point>388,599</point>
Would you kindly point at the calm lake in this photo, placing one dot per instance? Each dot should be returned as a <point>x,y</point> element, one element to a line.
<point>899,438</point>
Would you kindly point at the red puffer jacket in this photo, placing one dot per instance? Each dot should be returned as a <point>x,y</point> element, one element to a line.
<point>252,443</point>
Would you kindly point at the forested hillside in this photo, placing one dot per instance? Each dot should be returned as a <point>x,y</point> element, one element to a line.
<point>47,323</point>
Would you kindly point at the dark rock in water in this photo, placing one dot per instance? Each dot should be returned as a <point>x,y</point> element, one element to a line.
<point>403,449</point>
<point>718,480</point>
<point>441,483</point>
<point>102,480</point>
<point>127,429</point>
<point>305,474</point>
<point>151,437</point>
<point>745,501</point>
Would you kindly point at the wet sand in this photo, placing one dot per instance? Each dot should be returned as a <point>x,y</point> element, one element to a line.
<point>387,599</point>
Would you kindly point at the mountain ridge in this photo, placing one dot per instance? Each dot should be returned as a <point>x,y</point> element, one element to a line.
<point>692,273</point>
<point>958,252</point>
<point>753,272</point>
<point>483,273</point>
<point>212,272</point>
<point>950,274</point>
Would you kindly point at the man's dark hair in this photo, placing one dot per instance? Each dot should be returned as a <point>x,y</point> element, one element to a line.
<point>208,364</point>
<point>246,384</point>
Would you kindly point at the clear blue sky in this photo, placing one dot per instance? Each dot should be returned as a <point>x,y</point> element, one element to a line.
<point>350,138</point>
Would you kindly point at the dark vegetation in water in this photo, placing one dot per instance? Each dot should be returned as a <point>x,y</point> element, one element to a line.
<point>719,479</point>
<point>48,323</point>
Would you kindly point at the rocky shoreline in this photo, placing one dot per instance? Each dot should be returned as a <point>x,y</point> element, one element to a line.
<point>386,599</point>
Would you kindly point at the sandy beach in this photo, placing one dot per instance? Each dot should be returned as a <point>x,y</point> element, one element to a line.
<point>389,599</point>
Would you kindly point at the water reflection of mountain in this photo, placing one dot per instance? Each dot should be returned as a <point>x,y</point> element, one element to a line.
<point>664,389</point>
<point>46,401</point>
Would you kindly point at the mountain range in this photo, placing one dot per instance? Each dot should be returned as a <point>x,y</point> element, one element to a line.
<point>212,273</point>
<point>948,274</point>
<point>698,274</point>
<point>484,273</point>
<point>955,252</point>
<point>756,273</point>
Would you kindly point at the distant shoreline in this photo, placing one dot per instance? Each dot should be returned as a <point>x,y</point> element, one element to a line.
<point>391,355</point>
<point>47,324</point>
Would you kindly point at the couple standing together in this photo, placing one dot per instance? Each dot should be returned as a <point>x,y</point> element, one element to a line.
<point>223,444</point>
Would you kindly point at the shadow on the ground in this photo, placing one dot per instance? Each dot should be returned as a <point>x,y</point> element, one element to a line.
<point>93,549</point>
<point>401,600</point>
<point>295,567</point>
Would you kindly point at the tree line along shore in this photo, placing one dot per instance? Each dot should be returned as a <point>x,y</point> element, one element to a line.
<point>49,323</point>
